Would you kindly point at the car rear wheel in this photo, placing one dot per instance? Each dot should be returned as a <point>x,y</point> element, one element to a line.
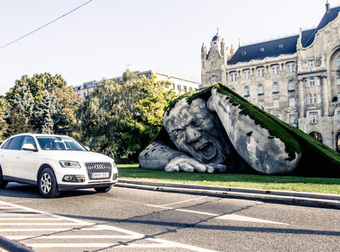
<point>48,186</point>
<point>102,189</point>
<point>3,183</point>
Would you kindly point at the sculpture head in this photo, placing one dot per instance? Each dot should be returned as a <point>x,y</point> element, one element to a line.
<point>197,131</point>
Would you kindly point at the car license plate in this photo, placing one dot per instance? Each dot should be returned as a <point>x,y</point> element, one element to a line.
<point>100,175</point>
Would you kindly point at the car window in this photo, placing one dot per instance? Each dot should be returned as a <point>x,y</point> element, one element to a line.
<point>15,144</point>
<point>29,140</point>
<point>5,146</point>
<point>59,143</point>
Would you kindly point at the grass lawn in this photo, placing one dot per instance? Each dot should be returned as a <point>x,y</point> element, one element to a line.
<point>289,183</point>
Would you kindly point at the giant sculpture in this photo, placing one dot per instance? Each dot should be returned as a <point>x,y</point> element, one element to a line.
<point>217,130</point>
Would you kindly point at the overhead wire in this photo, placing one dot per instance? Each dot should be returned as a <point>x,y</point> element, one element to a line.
<point>46,24</point>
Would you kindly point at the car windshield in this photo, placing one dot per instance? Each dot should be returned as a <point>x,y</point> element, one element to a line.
<point>59,143</point>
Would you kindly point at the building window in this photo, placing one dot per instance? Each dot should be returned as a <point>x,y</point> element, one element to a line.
<point>185,88</point>
<point>292,119</point>
<point>275,70</point>
<point>179,87</point>
<point>291,86</point>
<point>260,72</point>
<point>338,61</point>
<point>261,104</point>
<point>338,81</point>
<point>276,103</point>
<point>316,135</point>
<point>319,98</point>
<point>261,90</point>
<point>246,75</point>
<point>291,102</point>
<point>233,89</point>
<point>246,91</point>
<point>174,86</point>
<point>84,95</point>
<point>338,97</point>
<point>214,79</point>
<point>190,88</point>
<point>290,68</point>
<point>233,77</point>
<point>275,87</point>
<point>313,117</point>
<point>311,63</point>
<point>311,81</point>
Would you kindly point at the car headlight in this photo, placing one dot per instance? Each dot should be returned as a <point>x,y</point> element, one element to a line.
<point>69,164</point>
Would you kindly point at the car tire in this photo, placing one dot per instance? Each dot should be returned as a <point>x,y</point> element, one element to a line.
<point>3,183</point>
<point>47,184</point>
<point>103,189</point>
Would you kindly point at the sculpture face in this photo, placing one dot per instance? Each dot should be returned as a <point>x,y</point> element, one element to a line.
<point>197,131</point>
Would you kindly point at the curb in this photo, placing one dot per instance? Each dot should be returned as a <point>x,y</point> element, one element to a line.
<point>269,196</point>
<point>11,246</point>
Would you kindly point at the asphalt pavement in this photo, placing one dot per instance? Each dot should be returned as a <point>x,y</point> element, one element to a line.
<point>320,200</point>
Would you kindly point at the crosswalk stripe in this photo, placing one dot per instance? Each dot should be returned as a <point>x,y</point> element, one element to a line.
<point>74,226</point>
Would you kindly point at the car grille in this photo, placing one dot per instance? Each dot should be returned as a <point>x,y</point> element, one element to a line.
<point>96,168</point>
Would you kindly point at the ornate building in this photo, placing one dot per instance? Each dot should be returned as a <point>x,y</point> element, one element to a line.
<point>295,78</point>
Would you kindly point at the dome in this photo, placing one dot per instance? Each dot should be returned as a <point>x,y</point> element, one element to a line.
<point>217,37</point>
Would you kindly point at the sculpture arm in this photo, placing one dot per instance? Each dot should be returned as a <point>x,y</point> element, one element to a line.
<point>159,156</point>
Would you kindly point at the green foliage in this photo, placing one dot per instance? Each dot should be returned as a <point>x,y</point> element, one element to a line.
<point>3,123</point>
<point>37,85</point>
<point>143,123</point>
<point>41,104</point>
<point>122,117</point>
<point>102,112</point>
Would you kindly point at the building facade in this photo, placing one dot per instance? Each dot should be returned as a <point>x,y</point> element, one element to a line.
<point>295,78</point>
<point>180,82</point>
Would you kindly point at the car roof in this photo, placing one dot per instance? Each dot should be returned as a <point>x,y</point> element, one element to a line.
<point>36,134</point>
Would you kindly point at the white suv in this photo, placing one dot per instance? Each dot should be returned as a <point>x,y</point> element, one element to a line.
<point>55,163</point>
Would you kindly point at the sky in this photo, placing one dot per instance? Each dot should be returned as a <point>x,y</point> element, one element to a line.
<point>105,37</point>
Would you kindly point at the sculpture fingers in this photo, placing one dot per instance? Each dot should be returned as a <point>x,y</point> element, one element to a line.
<point>171,168</point>
<point>198,166</point>
<point>218,167</point>
<point>186,167</point>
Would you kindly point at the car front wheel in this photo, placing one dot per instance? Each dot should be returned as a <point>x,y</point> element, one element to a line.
<point>3,183</point>
<point>48,184</point>
<point>102,189</point>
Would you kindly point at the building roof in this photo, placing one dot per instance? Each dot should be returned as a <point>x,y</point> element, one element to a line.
<point>286,45</point>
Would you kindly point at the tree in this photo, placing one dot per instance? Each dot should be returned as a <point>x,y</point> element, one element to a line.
<point>37,85</point>
<point>122,117</point>
<point>143,123</point>
<point>3,123</point>
<point>102,112</point>
<point>41,104</point>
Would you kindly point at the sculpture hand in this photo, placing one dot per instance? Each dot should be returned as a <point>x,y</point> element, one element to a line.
<point>188,164</point>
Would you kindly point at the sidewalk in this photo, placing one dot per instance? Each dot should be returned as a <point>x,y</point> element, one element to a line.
<point>331,201</point>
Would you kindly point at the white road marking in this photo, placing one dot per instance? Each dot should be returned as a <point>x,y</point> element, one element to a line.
<point>33,229</point>
<point>29,240</point>
<point>179,202</point>
<point>234,217</point>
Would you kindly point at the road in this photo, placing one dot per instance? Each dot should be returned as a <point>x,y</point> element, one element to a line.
<point>138,220</point>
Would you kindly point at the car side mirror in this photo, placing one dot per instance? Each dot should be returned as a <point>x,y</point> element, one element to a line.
<point>87,148</point>
<point>29,147</point>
